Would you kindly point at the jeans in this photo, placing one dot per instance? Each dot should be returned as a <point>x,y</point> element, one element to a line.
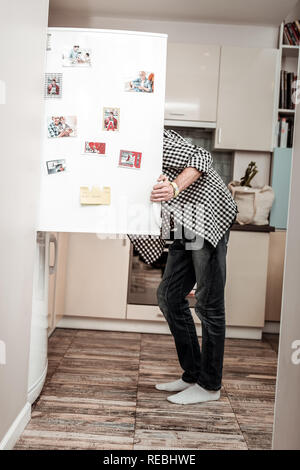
<point>206,267</point>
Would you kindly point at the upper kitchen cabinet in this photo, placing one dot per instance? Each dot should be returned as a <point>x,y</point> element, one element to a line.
<point>246,98</point>
<point>192,82</point>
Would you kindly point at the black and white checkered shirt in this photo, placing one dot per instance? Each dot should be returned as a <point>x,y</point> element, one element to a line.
<point>206,207</point>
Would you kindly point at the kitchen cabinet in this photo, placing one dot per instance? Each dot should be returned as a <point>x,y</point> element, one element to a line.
<point>150,313</point>
<point>275,275</point>
<point>245,293</point>
<point>192,82</point>
<point>246,98</point>
<point>97,280</point>
<point>97,276</point>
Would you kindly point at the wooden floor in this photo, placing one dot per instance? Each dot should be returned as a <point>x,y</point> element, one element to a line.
<point>99,394</point>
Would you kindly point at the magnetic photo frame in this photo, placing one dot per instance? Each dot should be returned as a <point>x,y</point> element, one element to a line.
<point>130,159</point>
<point>53,85</point>
<point>56,166</point>
<point>111,119</point>
<point>62,126</point>
<point>140,82</point>
<point>76,56</point>
<point>94,148</point>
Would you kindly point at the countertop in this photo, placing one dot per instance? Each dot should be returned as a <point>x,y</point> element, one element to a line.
<point>253,228</point>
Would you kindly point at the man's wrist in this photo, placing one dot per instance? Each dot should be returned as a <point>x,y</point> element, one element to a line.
<point>175,188</point>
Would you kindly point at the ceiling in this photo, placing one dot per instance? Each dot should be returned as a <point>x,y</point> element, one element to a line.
<point>254,12</point>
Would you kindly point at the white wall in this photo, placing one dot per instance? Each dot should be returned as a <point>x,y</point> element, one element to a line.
<point>202,33</point>
<point>23,38</point>
<point>294,13</point>
<point>263,162</point>
<point>287,407</point>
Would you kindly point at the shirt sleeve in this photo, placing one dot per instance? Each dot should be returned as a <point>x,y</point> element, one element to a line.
<point>179,153</point>
<point>202,160</point>
<point>51,130</point>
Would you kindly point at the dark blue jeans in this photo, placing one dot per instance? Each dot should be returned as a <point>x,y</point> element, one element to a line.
<point>206,267</point>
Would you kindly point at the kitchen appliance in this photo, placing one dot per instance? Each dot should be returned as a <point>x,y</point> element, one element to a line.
<point>38,362</point>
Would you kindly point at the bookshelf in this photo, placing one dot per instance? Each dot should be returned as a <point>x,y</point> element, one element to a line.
<point>288,62</point>
<point>282,151</point>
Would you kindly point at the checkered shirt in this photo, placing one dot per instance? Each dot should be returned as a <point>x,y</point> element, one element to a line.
<point>206,207</point>
<point>53,130</point>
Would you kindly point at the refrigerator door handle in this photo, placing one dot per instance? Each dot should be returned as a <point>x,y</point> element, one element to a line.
<point>53,239</point>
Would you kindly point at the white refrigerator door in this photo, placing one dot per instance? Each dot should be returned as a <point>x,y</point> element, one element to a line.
<point>131,157</point>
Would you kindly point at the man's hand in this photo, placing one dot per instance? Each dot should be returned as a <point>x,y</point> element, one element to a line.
<point>162,191</point>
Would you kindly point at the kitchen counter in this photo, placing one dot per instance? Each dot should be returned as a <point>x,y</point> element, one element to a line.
<point>253,228</point>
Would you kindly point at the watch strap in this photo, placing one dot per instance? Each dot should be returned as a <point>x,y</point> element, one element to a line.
<point>175,188</point>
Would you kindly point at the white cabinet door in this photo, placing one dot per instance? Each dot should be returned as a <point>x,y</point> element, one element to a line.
<point>192,82</point>
<point>246,108</point>
<point>97,277</point>
<point>247,268</point>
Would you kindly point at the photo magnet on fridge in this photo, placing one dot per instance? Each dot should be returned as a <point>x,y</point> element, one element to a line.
<point>56,166</point>
<point>62,126</point>
<point>140,82</point>
<point>53,85</point>
<point>130,159</point>
<point>111,119</point>
<point>97,148</point>
<point>76,56</point>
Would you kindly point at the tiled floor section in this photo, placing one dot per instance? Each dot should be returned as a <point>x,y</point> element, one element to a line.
<point>99,394</point>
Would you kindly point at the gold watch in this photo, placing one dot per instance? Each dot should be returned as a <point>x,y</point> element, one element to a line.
<point>175,188</point>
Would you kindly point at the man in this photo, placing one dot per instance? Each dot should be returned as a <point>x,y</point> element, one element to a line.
<point>195,197</point>
<point>141,84</point>
<point>111,122</point>
<point>58,127</point>
<point>53,88</point>
<point>74,53</point>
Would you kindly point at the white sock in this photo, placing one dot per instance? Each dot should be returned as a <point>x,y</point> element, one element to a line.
<point>175,386</point>
<point>194,394</point>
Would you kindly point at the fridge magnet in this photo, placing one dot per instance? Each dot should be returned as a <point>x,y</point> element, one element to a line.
<point>142,82</point>
<point>94,148</point>
<point>53,85</point>
<point>95,195</point>
<point>49,42</point>
<point>76,56</point>
<point>111,119</point>
<point>130,159</point>
<point>62,126</point>
<point>56,166</point>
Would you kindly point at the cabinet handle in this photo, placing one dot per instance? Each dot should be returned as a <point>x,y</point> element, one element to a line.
<point>177,114</point>
<point>219,135</point>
